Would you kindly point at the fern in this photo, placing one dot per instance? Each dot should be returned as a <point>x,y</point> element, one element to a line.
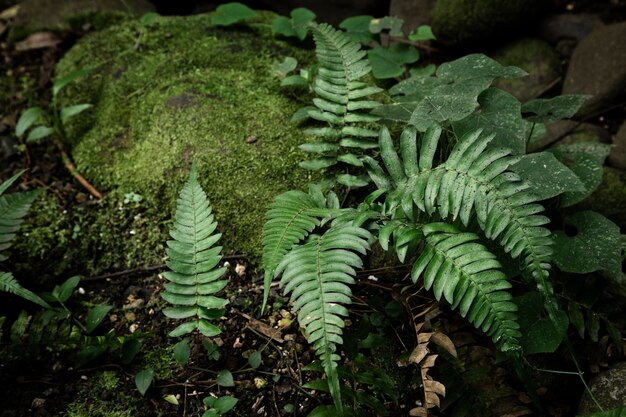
<point>193,260</point>
<point>317,275</point>
<point>468,276</point>
<point>340,102</point>
<point>9,284</point>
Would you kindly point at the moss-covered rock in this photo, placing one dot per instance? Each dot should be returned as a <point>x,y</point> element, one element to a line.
<point>538,59</point>
<point>162,95</point>
<point>464,21</point>
<point>609,199</point>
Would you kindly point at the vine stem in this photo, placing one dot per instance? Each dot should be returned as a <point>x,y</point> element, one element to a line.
<point>72,169</point>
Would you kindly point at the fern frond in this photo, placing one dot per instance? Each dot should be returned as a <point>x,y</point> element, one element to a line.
<point>341,100</point>
<point>317,275</point>
<point>474,180</point>
<point>467,275</point>
<point>13,208</point>
<point>10,284</point>
<point>193,274</point>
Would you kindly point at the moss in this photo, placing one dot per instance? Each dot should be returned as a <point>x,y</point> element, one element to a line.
<point>538,59</point>
<point>465,21</point>
<point>101,396</point>
<point>609,199</point>
<point>161,361</point>
<point>190,90</point>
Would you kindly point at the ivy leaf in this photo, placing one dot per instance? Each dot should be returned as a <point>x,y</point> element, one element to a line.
<point>500,115</point>
<point>393,24</point>
<point>540,334</point>
<point>358,29</point>
<point>422,33</point>
<point>586,160</point>
<point>182,351</point>
<point>143,380</point>
<point>254,360</point>
<point>225,404</point>
<point>449,96</point>
<point>595,246</point>
<point>225,378</point>
<point>389,62</point>
<point>547,176</point>
<point>231,13</point>
<point>281,69</point>
<point>548,110</point>
<point>95,317</point>
<point>297,26</point>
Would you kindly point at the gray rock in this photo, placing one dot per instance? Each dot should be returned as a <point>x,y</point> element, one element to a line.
<point>598,68</point>
<point>569,131</point>
<point>609,389</point>
<point>461,22</point>
<point>577,26</point>
<point>54,15</point>
<point>617,157</point>
<point>415,13</point>
<point>538,59</point>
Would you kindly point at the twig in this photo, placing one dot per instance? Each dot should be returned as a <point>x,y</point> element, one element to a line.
<point>72,169</point>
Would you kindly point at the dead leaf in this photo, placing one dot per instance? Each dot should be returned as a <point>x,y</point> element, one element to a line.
<point>10,13</point>
<point>435,386</point>
<point>444,342</point>
<point>37,41</point>
<point>429,362</point>
<point>419,412</point>
<point>418,353</point>
<point>423,337</point>
<point>432,400</point>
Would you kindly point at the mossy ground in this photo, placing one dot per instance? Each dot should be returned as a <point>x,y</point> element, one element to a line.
<point>164,94</point>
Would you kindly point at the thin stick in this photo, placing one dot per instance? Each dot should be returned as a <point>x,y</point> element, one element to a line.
<point>72,169</point>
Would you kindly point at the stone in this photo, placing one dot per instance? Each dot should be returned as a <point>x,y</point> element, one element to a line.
<point>569,131</point>
<point>617,157</point>
<point>609,199</point>
<point>415,13</point>
<point>190,90</point>
<point>609,389</point>
<point>461,22</point>
<point>52,15</point>
<point>598,68</point>
<point>538,59</point>
<point>565,26</point>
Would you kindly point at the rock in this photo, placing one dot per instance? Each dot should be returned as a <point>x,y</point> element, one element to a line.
<point>415,13</point>
<point>609,199</point>
<point>460,22</point>
<point>43,15</point>
<point>609,389</point>
<point>617,157</point>
<point>598,68</point>
<point>538,59</point>
<point>569,131</point>
<point>191,90</point>
<point>557,27</point>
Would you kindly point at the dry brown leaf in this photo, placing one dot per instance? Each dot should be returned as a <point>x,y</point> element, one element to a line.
<point>418,353</point>
<point>10,13</point>
<point>265,329</point>
<point>435,386</point>
<point>419,412</point>
<point>444,342</point>
<point>432,400</point>
<point>37,41</point>
<point>423,337</point>
<point>429,362</point>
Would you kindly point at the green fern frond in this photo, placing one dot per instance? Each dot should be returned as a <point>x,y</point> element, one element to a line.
<point>289,220</point>
<point>13,208</point>
<point>193,261</point>
<point>467,275</point>
<point>317,275</point>
<point>341,101</point>
<point>473,180</point>
<point>9,284</point>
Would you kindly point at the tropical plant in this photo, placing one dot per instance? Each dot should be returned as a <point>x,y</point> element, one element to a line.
<point>456,195</point>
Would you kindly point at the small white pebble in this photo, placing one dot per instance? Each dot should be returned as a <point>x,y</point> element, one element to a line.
<point>372,278</point>
<point>81,290</point>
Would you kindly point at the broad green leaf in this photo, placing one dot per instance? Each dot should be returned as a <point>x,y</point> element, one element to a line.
<point>499,114</point>
<point>27,119</point>
<point>352,181</point>
<point>297,26</point>
<point>182,351</point>
<point>548,110</point>
<point>39,133</point>
<point>95,317</point>
<point>130,349</point>
<point>422,33</point>
<point>389,62</point>
<point>586,160</point>
<point>576,317</point>
<point>254,360</point>
<point>358,28</point>
<point>426,71</point>
<point>231,13</point>
<point>71,111</point>
<point>595,246</point>
<point>59,85</point>
<point>143,380</point>
<point>294,80</point>
<point>225,378</point>
<point>546,175</point>
<point>540,334</point>
<point>281,69</point>
<point>225,404</point>
<point>64,291</point>
<point>148,18</point>
<point>390,23</point>
<point>171,398</point>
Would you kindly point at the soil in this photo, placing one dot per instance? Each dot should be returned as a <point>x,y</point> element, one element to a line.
<point>45,381</point>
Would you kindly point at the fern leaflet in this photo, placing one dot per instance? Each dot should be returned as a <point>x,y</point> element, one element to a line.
<point>317,275</point>
<point>467,275</point>
<point>13,208</point>
<point>9,284</point>
<point>193,260</point>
